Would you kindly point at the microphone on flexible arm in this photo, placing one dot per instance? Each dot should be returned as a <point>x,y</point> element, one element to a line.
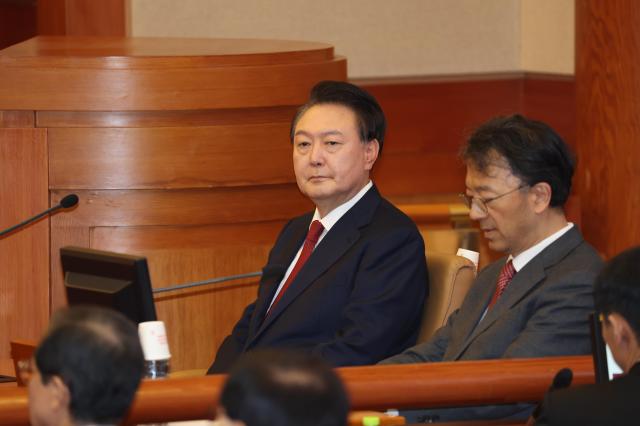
<point>562,380</point>
<point>66,203</point>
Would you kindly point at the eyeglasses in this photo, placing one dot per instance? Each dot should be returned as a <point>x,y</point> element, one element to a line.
<point>481,203</point>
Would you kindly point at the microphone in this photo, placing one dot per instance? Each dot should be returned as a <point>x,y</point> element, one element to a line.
<point>66,203</point>
<point>562,380</point>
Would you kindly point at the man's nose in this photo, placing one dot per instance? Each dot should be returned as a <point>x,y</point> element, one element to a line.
<point>475,212</point>
<point>316,155</point>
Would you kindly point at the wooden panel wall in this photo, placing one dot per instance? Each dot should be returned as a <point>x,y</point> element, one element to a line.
<point>24,292</point>
<point>430,118</point>
<point>608,117</point>
<point>82,17</point>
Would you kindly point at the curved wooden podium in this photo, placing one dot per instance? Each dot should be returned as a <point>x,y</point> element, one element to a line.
<point>178,149</point>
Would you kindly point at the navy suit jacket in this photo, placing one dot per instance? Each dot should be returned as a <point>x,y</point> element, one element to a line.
<point>613,403</point>
<point>357,300</point>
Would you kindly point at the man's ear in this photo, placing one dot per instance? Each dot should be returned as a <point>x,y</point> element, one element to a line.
<point>622,331</point>
<point>59,393</point>
<point>541,196</point>
<point>371,150</point>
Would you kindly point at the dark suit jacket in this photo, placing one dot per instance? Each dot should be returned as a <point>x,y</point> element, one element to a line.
<point>357,300</point>
<point>613,403</point>
<point>543,312</point>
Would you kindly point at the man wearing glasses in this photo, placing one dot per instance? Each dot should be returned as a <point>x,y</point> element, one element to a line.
<point>535,301</point>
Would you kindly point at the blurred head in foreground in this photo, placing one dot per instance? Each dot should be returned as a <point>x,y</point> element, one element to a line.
<point>282,388</point>
<point>86,369</point>
<point>617,300</point>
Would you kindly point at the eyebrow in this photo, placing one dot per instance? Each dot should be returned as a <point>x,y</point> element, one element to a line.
<point>322,134</point>
<point>482,188</point>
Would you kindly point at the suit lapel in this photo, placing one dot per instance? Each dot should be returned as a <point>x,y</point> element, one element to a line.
<point>343,235</point>
<point>273,273</point>
<point>523,283</point>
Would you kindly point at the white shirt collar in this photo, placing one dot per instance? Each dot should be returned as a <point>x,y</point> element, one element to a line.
<point>334,216</point>
<point>526,256</point>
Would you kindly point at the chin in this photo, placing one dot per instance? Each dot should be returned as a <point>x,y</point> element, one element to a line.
<point>497,247</point>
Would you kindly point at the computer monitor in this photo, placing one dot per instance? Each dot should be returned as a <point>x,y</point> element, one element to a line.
<point>604,365</point>
<point>113,280</point>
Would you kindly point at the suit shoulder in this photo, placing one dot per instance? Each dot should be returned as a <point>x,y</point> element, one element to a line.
<point>583,260</point>
<point>393,215</point>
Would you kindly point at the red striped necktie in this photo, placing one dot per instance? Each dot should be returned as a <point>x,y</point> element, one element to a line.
<point>506,274</point>
<point>315,230</point>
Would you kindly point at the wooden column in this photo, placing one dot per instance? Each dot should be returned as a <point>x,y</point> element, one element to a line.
<point>608,121</point>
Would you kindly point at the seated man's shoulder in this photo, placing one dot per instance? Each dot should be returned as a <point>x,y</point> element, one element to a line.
<point>583,264</point>
<point>394,217</point>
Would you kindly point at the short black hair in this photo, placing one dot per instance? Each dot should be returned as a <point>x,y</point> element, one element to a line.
<point>617,288</point>
<point>371,121</point>
<point>97,354</point>
<point>284,388</point>
<point>534,151</point>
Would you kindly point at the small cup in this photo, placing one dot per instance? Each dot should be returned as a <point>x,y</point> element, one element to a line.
<point>153,338</point>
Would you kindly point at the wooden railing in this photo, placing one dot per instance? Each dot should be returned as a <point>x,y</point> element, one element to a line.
<point>374,387</point>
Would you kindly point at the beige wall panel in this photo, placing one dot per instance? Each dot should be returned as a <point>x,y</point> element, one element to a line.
<point>548,36</point>
<point>379,37</point>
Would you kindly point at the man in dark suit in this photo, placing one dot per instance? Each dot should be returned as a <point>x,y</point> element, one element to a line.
<point>353,289</point>
<point>536,301</point>
<point>617,300</point>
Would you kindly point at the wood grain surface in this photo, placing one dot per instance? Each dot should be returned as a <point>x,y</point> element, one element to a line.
<point>608,117</point>
<point>24,254</point>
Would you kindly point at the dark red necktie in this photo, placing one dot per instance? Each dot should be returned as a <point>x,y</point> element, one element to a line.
<point>309,243</point>
<point>507,273</point>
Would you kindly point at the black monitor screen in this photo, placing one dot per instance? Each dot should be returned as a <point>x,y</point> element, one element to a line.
<point>113,280</point>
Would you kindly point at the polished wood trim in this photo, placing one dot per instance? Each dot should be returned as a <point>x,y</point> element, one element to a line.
<point>140,74</point>
<point>463,77</point>
<point>120,119</point>
<point>117,53</point>
<point>375,387</point>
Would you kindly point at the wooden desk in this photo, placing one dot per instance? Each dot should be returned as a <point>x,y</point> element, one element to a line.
<point>370,388</point>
